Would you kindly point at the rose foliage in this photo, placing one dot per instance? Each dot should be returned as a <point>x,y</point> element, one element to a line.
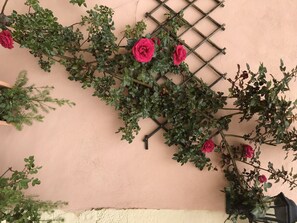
<point>126,76</point>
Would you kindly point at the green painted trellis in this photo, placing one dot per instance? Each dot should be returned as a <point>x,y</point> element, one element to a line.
<point>204,15</point>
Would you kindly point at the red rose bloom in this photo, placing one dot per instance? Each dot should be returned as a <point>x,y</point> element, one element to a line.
<point>179,55</point>
<point>262,179</point>
<point>6,39</point>
<point>143,50</point>
<point>208,146</point>
<point>248,151</point>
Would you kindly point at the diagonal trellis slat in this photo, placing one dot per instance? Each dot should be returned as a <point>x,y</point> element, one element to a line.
<point>203,15</point>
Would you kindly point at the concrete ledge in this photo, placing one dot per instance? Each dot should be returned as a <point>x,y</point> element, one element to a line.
<point>140,216</point>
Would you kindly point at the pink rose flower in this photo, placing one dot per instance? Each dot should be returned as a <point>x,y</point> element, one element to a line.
<point>179,55</point>
<point>143,50</point>
<point>262,179</point>
<point>248,151</point>
<point>6,39</point>
<point>208,146</point>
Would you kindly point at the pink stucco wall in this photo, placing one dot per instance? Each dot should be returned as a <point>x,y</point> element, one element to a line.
<point>85,162</point>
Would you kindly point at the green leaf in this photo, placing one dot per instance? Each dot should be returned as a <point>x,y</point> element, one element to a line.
<point>79,2</point>
<point>35,182</point>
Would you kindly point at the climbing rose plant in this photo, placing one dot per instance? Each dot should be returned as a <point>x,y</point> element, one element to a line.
<point>126,76</point>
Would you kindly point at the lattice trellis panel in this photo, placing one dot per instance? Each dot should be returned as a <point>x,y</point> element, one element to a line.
<point>200,27</point>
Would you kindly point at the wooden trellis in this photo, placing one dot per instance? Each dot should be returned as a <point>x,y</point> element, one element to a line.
<point>200,17</point>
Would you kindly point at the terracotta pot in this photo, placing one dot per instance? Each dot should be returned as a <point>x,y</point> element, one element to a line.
<point>4,84</point>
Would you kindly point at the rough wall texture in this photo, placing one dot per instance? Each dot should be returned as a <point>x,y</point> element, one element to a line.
<point>141,215</point>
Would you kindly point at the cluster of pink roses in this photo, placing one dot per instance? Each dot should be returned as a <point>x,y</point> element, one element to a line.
<point>144,49</point>
<point>208,146</point>
<point>6,39</point>
<point>249,153</point>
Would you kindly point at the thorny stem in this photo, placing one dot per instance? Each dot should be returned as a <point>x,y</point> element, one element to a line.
<point>91,62</point>
<point>64,57</point>
<point>256,167</point>
<point>9,169</point>
<point>134,80</point>
<point>215,133</point>
<point>268,143</point>
<point>3,7</point>
<point>121,41</point>
<point>231,109</point>
<point>77,23</point>
<point>238,136</point>
<point>232,158</point>
<point>86,40</point>
<point>232,114</point>
<point>267,170</point>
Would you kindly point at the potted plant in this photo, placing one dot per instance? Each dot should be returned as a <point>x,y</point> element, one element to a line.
<point>22,103</point>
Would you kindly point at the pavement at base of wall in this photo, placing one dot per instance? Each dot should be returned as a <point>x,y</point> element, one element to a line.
<point>139,216</point>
